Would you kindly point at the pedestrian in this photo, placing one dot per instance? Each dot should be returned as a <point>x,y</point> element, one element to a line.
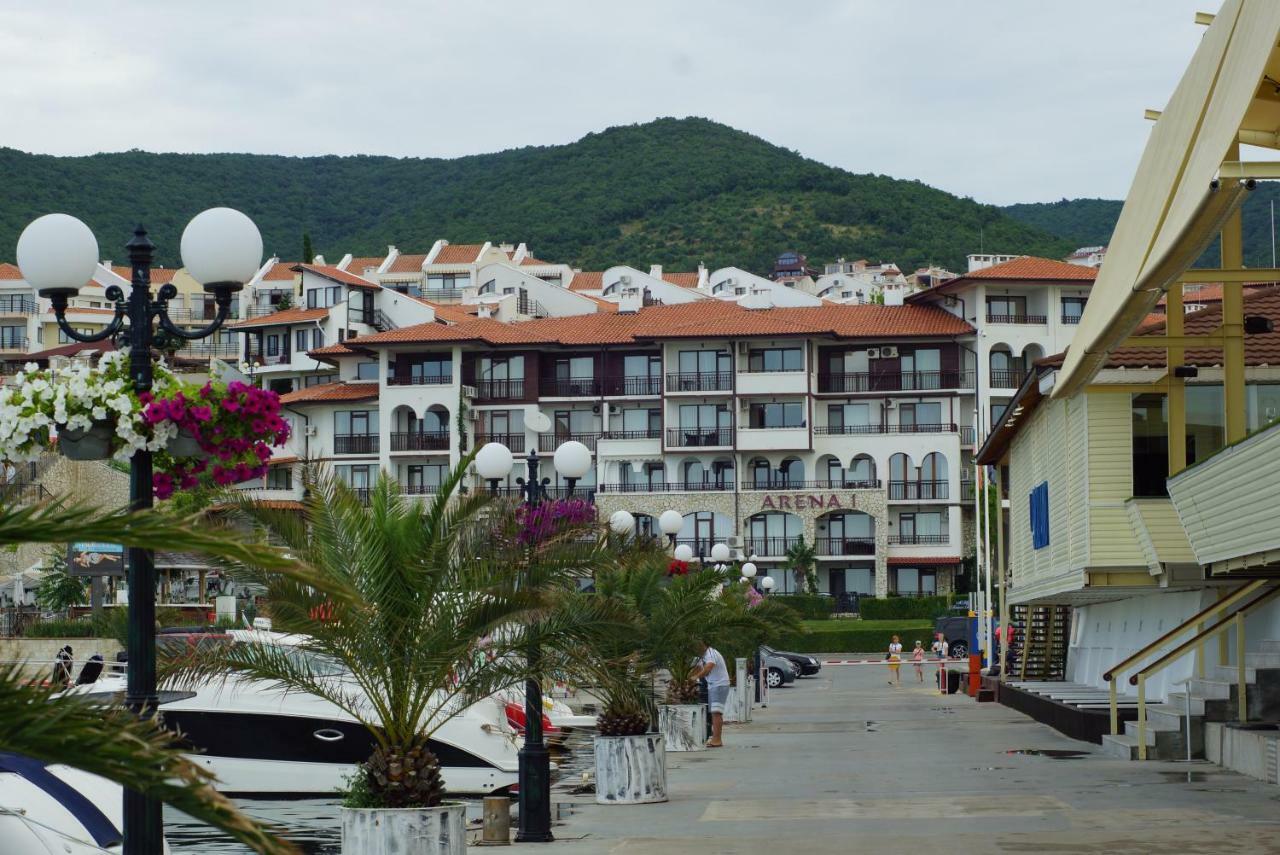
<point>894,657</point>
<point>917,660</point>
<point>939,646</point>
<point>711,666</point>
<point>62,668</point>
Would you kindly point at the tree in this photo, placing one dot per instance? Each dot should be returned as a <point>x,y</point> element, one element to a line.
<point>803,558</point>
<point>422,606</point>
<point>308,251</point>
<point>105,740</point>
<point>58,589</point>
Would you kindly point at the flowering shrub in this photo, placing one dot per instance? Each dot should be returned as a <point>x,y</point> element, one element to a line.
<point>676,567</point>
<point>542,520</point>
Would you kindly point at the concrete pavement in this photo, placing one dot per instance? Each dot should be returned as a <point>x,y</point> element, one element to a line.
<point>843,762</point>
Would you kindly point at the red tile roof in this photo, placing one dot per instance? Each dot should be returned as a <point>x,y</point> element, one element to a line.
<point>684,280</point>
<point>9,271</point>
<point>331,351</point>
<point>1027,268</point>
<point>288,316</point>
<point>358,264</point>
<point>407,264</point>
<point>702,319</point>
<point>458,253</point>
<point>331,272</point>
<point>1210,293</point>
<point>529,261</point>
<point>159,275</point>
<point>281,271</point>
<point>585,280</point>
<point>444,312</point>
<point>332,392</point>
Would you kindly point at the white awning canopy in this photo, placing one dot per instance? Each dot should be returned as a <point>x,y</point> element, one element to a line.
<point>1230,92</point>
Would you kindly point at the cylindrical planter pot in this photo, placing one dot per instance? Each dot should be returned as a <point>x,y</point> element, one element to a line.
<point>631,770</point>
<point>733,711</point>
<point>396,831</point>
<point>93,443</point>
<point>185,445</point>
<point>683,726</point>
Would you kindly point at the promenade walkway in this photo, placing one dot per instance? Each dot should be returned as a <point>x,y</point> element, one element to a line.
<point>843,762</point>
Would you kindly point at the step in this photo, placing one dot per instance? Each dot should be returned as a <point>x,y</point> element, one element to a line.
<point>1178,701</point>
<point>1121,746</point>
<point>1210,689</point>
<point>1264,659</point>
<point>1271,646</point>
<point>1168,717</point>
<point>1228,674</point>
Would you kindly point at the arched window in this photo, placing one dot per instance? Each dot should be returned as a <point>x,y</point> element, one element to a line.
<point>791,472</point>
<point>862,471</point>
<point>1007,370</point>
<point>722,473</point>
<point>693,473</point>
<point>761,472</point>
<point>933,476</point>
<point>704,529</point>
<point>831,471</point>
<point>900,468</point>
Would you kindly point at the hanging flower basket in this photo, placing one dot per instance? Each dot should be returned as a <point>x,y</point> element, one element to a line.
<point>186,446</point>
<point>91,443</point>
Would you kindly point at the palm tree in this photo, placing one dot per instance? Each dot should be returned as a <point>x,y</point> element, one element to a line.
<point>422,606</point>
<point>111,741</point>
<point>804,560</point>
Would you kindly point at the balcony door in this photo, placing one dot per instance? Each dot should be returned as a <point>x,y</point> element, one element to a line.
<point>914,417</point>
<point>705,362</point>
<point>921,369</point>
<point>848,418</point>
<point>703,424</point>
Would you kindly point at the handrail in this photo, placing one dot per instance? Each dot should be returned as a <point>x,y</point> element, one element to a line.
<point>1198,618</point>
<point>1236,621</point>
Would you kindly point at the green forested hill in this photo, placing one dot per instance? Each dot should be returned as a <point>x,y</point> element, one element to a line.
<point>671,191</point>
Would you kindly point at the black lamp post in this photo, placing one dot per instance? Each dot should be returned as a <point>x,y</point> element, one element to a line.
<point>493,463</point>
<point>58,255</point>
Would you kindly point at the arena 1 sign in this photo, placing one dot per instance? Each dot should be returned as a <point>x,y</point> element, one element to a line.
<point>808,501</point>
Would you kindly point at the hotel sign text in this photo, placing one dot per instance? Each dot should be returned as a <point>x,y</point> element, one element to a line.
<point>811,501</point>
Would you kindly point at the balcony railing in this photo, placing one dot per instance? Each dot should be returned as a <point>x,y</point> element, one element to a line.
<point>442,295</point>
<point>1007,378</point>
<point>700,546</point>
<point>420,380</point>
<point>919,539</point>
<point>361,494</point>
<point>712,381</point>
<point>556,492</point>
<point>570,387</point>
<point>968,492</point>
<point>220,349</point>
<point>668,487</point>
<point>549,442</point>
<point>420,441</point>
<point>699,437</point>
<point>777,484</point>
<point>499,389</point>
<point>13,342</point>
<point>846,430</point>
<point>513,441</point>
<point>1070,319</point>
<point>846,545</point>
<point>263,311</point>
<point>770,545</point>
<point>268,359</point>
<point>913,490</point>
<point>895,381</point>
<point>650,433</point>
<point>355,443</point>
<point>16,304</point>
<point>1017,319</point>
<point>419,489</point>
<point>647,385</point>
<point>199,314</point>
<point>968,436</point>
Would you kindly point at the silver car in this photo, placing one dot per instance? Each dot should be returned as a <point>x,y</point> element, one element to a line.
<point>779,671</point>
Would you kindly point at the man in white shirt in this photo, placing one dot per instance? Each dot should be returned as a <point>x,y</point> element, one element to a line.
<point>711,665</point>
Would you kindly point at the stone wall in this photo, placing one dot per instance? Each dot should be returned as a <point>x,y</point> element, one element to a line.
<point>38,654</point>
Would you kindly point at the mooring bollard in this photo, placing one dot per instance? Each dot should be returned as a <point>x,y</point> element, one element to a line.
<point>497,821</point>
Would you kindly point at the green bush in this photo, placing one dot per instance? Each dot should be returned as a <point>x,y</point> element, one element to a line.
<point>62,628</point>
<point>807,606</point>
<point>904,608</point>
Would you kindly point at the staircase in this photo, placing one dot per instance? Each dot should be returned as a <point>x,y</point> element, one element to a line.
<point>1212,698</point>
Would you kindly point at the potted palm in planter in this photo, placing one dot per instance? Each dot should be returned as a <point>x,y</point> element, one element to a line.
<point>419,609</point>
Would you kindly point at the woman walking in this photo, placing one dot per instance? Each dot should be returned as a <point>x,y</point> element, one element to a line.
<point>895,661</point>
<point>917,660</point>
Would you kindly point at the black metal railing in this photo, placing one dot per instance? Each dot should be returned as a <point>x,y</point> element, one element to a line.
<point>701,546</point>
<point>647,385</point>
<point>699,437</point>
<point>1070,319</point>
<point>261,358</point>
<point>419,489</point>
<point>498,389</point>
<point>770,545</point>
<point>513,441</point>
<point>442,295</point>
<point>23,493</point>
<point>819,484</point>
<point>968,436</point>
<point>711,381</point>
<point>420,441</point>
<point>846,430</point>
<point>968,491</point>
<point>220,349</point>
<point>1006,378</point>
<point>667,487</point>
<point>420,380</point>
<point>569,387</point>
<point>17,304</point>
<point>199,314</point>
<point>361,494</point>
<point>551,492</point>
<point>355,443</point>
<point>1017,319</point>
<point>919,539</point>
<point>894,381</point>
<point>912,490</point>
<point>650,433</point>
<point>13,342</point>
<point>846,545</point>
<point>549,442</point>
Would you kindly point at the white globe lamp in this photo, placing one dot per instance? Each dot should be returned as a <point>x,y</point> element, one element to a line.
<point>670,522</point>
<point>494,461</point>
<point>572,460</point>
<point>748,570</point>
<point>720,553</point>
<point>767,583</point>
<point>622,522</point>
<point>57,255</point>
<point>684,552</point>
<point>221,249</point>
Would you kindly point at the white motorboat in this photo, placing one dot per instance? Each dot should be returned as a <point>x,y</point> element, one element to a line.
<point>57,809</point>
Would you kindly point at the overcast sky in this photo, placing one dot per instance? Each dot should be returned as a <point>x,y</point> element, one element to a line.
<point>1002,100</point>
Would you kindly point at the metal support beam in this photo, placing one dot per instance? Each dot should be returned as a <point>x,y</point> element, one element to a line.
<point>1241,696</point>
<point>1161,342</point>
<point>1002,568</point>
<point>1214,275</point>
<point>1256,170</point>
<point>1177,396</point>
<point>1233,360</point>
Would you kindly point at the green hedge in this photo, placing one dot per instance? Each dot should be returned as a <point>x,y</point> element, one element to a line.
<point>807,606</point>
<point>849,637</point>
<point>904,608</point>
<point>63,628</point>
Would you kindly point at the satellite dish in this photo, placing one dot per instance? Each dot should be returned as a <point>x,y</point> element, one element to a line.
<point>537,421</point>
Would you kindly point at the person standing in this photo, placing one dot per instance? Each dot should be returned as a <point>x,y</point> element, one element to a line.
<point>711,666</point>
<point>917,660</point>
<point>939,646</point>
<point>894,658</point>
<point>62,668</point>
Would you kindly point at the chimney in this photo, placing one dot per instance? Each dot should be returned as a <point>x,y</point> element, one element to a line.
<point>630,301</point>
<point>655,270</point>
<point>892,296</point>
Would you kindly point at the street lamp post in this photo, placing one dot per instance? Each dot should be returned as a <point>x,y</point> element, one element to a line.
<point>669,523</point>
<point>222,249</point>
<point>493,463</point>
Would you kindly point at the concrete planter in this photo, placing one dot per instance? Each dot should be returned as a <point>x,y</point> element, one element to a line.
<point>631,770</point>
<point>395,831</point>
<point>683,726</point>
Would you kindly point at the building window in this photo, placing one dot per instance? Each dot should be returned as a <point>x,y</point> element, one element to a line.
<point>849,418</point>
<point>300,340</point>
<point>280,478</point>
<point>773,415</point>
<point>448,281</point>
<point>776,359</point>
<point>273,345</point>
<point>1039,508</point>
<point>1072,309</point>
<point>323,298</point>
<point>1206,414</point>
<point>355,422</point>
<point>358,477</point>
<point>19,334</point>
<point>705,362</point>
<point>921,416</point>
<point>309,380</point>
<point>1000,309</point>
<point>1150,445</point>
<point>915,582</point>
<point>317,337</point>
<point>366,371</point>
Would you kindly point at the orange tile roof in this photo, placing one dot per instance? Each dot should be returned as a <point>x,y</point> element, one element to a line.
<point>1027,268</point>
<point>9,271</point>
<point>332,392</point>
<point>407,264</point>
<point>458,253</point>
<point>90,310</point>
<point>1210,293</point>
<point>451,314</point>
<point>331,272</point>
<point>281,271</point>
<point>529,261</point>
<point>587,280</point>
<point>358,263</point>
<point>288,316</point>
<point>684,280</point>
<point>702,319</point>
<point>159,275</point>
<point>330,351</point>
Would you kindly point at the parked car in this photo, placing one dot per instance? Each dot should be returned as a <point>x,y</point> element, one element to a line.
<point>779,671</point>
<point>955,629</point>
<point>805,664</point>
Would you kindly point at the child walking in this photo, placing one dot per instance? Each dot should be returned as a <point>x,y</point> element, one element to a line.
<point>894,658</point>
<point>917,660</point>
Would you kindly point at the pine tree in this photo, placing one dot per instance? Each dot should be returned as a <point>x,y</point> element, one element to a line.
<point>308,251</point>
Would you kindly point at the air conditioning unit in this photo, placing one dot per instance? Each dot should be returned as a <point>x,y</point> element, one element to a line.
<point>595,408</point>
<point>890,404</point>
<point>310,430</point>
<point>625,279</point>
<point>888,352</point>
<point>733,541</point>
<point>744,405</point>
<point>743,348</point>
<point>468,391</point>
<point>612,409</point>
<point>873,353</point>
